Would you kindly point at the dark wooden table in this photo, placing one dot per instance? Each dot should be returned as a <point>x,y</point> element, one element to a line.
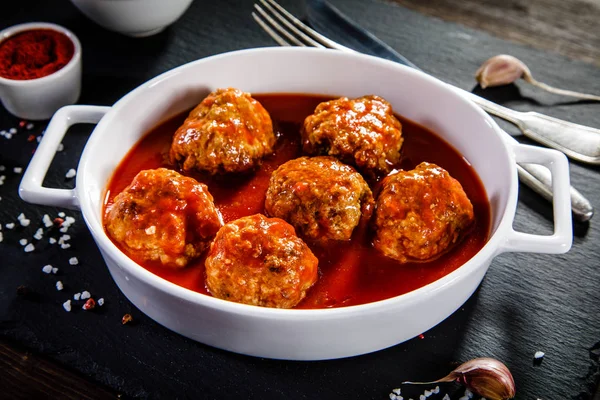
<point>526,303</point>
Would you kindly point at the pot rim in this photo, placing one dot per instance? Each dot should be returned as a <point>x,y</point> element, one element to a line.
<point>487,252</point>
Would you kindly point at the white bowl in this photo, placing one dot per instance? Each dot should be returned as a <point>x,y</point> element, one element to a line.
<point>137,18</point>
<point>38,99</point>
<point>301,334</point>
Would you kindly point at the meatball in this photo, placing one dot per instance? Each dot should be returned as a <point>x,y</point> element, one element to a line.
<point>362,132</point>
<point>420,213</point>
<point>321,197</point>
<point>260,261</point>
<point>164,217</point>
<point>228,131</point>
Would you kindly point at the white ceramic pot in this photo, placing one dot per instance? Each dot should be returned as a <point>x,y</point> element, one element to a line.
<point>301,334</point>
<point>137,18</point>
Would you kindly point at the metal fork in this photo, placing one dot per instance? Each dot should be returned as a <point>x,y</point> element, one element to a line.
<point>287,30</point>
<point>578,142</point>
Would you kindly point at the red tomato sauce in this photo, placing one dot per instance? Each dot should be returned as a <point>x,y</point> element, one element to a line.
<point>350,273</point>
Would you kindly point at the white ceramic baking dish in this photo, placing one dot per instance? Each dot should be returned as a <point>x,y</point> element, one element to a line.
<point>301,334</point>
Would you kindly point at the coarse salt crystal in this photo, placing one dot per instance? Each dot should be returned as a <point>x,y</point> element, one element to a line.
<point>39,234</point>
<point>2,167</point>
<point>422,397</point>
<point>397,391</point>
<point>427,393</point>
<point>25,222</point>
<point>64,229</point>
<point>12,130</point>
<point>73,261</point>
<point>29,248</point>
<point>23,242</point>
<point>67,305</point>
<point>446,397</point>
<point>60,147</point>
<point>69,221</point>
<point>538,355</point>
<point>47,269</point>
<point>51,240</point>
<point>59,286</point>
<point>10,225</point>
<point>17,170</point>
<point>8,136</point>
<point>70,173</point>
<point>76,296</point>
<point>47,221</point>
<point>393,396</point>
<point>85,295</point>
<point>100,301</point>
<point>436,390</point>
<point>1,237</point>
<point>61,214</point>
<point>63,239</point>
<point>21,216</point>
<point>65,246</point>
<point>151,230</point>
<point>29,126</point>
<point>54,270</point>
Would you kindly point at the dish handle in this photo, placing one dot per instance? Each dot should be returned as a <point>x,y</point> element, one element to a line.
<point>31,189</point>
<point>562,238</point>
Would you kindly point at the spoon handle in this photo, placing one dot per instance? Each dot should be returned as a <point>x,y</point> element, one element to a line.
<point>578,142</point>
<point>539,179</point>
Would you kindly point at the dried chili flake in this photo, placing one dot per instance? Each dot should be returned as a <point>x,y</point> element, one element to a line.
<point>58,221</point>
<point>127,318</point>
<point>421,336</point>
<point>90,304</point>
<point>22,124</point>
<point>31,138</point>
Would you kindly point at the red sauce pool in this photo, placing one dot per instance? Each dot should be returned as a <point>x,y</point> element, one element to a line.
<point>350,273</point>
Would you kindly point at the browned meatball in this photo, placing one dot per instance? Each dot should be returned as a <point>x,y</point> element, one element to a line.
<point>320,196</point>
<point>228,131</point>
<point>363,132</point>
<point>260,261</point>
<point>163,216</point>
<point>420,213</point>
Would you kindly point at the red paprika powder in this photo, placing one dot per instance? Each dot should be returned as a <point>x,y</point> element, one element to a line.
<point>34,54</point>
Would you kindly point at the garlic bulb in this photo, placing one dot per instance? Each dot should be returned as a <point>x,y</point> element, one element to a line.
<point>485,377</point>
<point>504,69</point>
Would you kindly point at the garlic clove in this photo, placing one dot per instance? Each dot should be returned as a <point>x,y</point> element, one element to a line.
<point>486,377</point>
<point>504,69</point>
<point>501,70</point>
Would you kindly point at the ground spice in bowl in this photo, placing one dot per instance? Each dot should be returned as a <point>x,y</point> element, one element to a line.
<point>34,54</point>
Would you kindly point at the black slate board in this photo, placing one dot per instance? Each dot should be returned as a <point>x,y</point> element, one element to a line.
<point>526,303</point>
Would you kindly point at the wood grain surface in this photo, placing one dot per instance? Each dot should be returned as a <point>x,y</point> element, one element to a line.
<point>570,28</point>
<point>26,375</point>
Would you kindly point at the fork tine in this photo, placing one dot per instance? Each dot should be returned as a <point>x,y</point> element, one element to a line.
<point>283,20</point>
<point>278,27</point>
<point>274,35</point>
<point>325,42</point>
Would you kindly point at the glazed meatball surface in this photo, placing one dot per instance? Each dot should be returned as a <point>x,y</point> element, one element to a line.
<point>260,261</point>
<point>420,213</point>
<point>228,131</point>
<point>320,196</point>
<point>362,132</point>
<point>164,217</point>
